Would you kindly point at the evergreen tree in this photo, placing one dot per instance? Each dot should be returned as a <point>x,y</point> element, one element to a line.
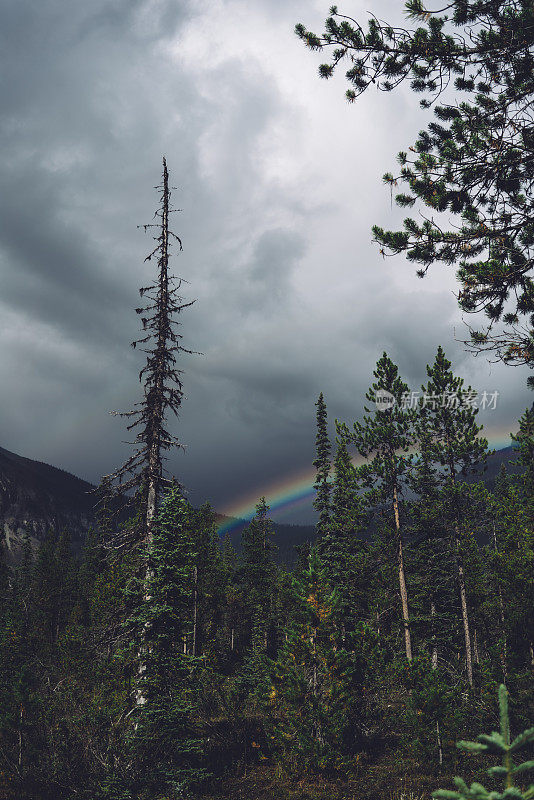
<point>163,741</point>
<point>452,442</point>
<point>322,464</point>
<point>497,743</point>
<point>316,682</point>
<point>510,605</point>
<point>341,548</point>
<point>385,438</point>
<point>257,577</point>
<point>524,440</point>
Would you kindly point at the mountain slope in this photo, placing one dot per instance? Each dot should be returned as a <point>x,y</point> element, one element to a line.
<point>36,498</point>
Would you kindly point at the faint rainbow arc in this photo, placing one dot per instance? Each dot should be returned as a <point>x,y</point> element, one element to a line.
<point>294,490</point>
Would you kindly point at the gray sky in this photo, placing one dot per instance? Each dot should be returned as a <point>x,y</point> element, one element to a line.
<point>279,182</point>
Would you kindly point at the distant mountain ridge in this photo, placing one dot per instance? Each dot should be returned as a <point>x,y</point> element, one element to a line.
<point>36,498</point>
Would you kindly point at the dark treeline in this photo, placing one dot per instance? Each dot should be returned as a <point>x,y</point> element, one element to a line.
<point>391,644</point>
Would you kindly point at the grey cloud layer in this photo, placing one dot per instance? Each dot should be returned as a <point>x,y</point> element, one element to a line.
<point>278,185</point>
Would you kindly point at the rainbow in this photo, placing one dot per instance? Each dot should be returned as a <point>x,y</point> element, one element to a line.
<point>296,490</point>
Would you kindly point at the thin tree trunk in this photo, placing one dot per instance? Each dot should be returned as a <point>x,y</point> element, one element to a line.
<point>402,578</point>
<point>195,596</point>
<point>465,616</point>
<point>531,650</point>
<point>504,651</point>
<point>232,640</point>
<point>440,744</point>
<point>434,645</point>
<point>435,666</point>
<point>20,737</point>
<point>476,655</point>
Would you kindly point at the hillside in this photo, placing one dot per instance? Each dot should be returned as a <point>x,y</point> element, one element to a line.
<point>36,498</point>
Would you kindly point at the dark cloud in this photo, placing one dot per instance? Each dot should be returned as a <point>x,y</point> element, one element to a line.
<point>279,183</point>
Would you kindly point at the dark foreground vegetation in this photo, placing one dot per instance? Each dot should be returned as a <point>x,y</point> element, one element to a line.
<point>258,682</point>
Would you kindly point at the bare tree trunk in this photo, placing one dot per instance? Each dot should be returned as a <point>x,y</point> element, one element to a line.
<point>504,651</point>
<point>440,744</point>
<point>232,640</point>
<point>465,616</point>
<point>435,666</point>
<point>434,645</point>
<point>531,650</point>
<point>195,597</point>
<point>20,737</point>
<point>402,578</point>
<point>476,654</point>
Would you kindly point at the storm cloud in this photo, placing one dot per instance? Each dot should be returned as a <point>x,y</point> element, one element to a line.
<point>278,180</point>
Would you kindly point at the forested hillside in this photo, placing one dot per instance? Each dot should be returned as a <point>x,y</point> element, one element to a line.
<point>327,670</point>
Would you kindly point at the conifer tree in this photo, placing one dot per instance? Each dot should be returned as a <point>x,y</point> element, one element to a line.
<point>385,437</point>
<point>340,547</point>
<point>524,440</point>
<point>510,605</point>
<point>164,743</point>
<point>322,464</point>
<point>143,473</point>
<point>316,681</point>
<point>498,743</point>
<point>473,161</point>
<point>451,435</point>
<point>257,575</point>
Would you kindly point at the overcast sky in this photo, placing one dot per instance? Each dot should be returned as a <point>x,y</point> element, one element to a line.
<point>279,182</point>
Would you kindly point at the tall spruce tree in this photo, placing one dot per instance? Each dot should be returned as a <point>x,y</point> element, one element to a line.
<point>257,576</point>
<point>322,464</point>
<point>447,426</point>
<point>385,438</point>
<point>341,547</point>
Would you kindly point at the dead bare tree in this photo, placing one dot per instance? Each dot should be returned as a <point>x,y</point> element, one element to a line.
<point>139,482</point>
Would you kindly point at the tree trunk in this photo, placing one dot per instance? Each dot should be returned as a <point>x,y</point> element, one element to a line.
<point>435,666</point>
<point>434,645</point>
<point>195,596</point>
<point>504,651</point>
<point>402,578</point>
<point>440,744</point>
<point>465,616</point>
